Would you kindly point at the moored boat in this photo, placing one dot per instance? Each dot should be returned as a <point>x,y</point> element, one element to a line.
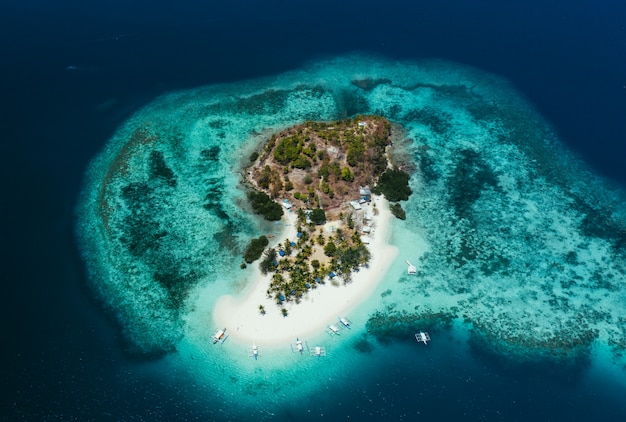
<point>345,322</point>
<point>422,337</point>
<point>333,330</point>
<point>219,336</point>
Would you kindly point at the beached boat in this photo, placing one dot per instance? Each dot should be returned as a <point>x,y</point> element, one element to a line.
<point>299,346</point>
<point>254,351</point>
<point>345,322</point>
<point>422,337</point>
<point>219,336</point>
<point>318,351</point>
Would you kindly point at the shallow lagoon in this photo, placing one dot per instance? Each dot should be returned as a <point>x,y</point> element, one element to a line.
<point>526,246</point>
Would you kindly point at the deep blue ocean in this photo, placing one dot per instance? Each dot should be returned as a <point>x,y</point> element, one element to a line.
<point>72,71</point>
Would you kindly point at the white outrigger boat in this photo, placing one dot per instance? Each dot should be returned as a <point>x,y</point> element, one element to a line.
<point>318,351</point>
<point>220,336</point>
<point>345,322</point>
<point>412,270</point>
<point>253,351</point>
<point>299,346</point>
<point>422,337</point>
<point>333,330</point>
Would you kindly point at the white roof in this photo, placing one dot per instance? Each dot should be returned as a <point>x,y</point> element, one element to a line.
<point>355,205</point>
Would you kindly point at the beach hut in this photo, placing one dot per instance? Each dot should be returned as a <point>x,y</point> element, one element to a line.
<point>332,274</point>
<point>281,252</point>
<point>355,205</point>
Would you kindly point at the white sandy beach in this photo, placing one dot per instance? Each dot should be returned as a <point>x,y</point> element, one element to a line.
<point>322,306</point>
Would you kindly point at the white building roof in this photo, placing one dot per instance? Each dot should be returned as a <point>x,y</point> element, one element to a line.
<point>355,205</point>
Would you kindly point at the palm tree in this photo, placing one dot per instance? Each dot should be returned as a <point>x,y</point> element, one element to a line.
<point>284,312</point>
<point>262,309</point>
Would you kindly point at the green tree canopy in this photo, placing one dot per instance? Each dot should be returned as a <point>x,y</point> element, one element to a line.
<point>394,184</point>
<point>317,216</point>
<point>263,204</point>
<point>347,175</point>
<point>330,249</point>
<point>255,249</point>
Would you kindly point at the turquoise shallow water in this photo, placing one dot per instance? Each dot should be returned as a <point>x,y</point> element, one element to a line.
<point>526,248</point>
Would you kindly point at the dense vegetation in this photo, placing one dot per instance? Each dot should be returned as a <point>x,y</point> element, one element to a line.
<point>263,204</point>
<point>323,163</point>
<point>292,151</point>
<point>255,249</point>
<point>397,210</point>
<point>394,184</point>
<point>295,272</point>
<point>317,216</point>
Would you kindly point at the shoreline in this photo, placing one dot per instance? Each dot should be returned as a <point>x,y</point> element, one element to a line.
<point>320,307</point>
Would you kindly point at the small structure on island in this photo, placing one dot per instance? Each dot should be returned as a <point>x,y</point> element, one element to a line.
<point>422,337</point>
<point>366,229</point>
<point>287,205</point>
<point>412,269</point>
<point>254,351</point>
<point>318,351</point>
<point>299,346</point>
<point>219,336</point>
<point>355,205</point>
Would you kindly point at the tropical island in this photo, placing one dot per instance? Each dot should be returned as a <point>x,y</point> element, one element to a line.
<point>330,184</point>
<point>321,173</point>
